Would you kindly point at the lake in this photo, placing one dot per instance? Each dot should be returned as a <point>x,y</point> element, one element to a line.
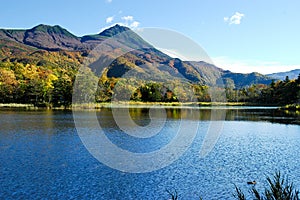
<point>44,156</point>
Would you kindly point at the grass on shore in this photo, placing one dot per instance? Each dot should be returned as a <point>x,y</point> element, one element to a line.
<point>150,104</point>
<point>16,105</point>
<point>88,106</point>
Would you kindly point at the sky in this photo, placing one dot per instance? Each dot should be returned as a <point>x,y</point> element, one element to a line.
<point>238,35</point>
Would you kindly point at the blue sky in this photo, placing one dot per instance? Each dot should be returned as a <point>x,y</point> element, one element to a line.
<point>239,35</point>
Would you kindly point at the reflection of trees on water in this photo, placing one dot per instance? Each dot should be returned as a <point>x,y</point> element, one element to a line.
<point>205,114</point>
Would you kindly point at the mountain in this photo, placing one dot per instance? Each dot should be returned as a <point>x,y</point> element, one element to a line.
<point>45,37</point>
<point>293,74</point>
<point>51,38</point>
<point>55,46</point>
<point>55,38</point>
<point>240,80</point>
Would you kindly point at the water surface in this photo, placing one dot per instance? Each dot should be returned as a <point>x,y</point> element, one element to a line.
<point>42,156</point>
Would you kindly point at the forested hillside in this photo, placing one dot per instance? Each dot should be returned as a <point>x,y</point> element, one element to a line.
<point>39,66</point>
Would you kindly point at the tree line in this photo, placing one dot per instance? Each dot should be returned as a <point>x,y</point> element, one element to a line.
<point>280,92</point>
<point>46,85</point>
<point>38,85</point>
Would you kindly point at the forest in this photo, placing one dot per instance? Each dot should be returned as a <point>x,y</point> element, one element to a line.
<point>46,85</point>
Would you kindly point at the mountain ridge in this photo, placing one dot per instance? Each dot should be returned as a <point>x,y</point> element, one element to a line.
<point>55,39</point>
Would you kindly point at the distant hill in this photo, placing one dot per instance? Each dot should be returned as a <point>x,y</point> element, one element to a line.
<point>240,80</point>
<point>54,45</point>
<point>293,74</point>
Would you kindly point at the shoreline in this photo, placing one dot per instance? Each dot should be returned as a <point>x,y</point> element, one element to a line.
<point>16,105</point>
<point>97,106</point>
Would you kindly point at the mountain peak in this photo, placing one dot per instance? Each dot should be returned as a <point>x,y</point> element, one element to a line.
<point>50,38</point>
<point>114,30</point>
<point>56,29</point>
<point>125,36</point>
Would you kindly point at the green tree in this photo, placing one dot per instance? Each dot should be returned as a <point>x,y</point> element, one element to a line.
<point>84,90</point>
<point>62,91</point>
<point>151,92</point>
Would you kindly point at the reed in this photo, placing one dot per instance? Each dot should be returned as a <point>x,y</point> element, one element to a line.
<point>278,188</point>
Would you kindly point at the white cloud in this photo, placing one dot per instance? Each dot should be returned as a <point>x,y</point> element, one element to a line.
<point>126,21</point>
<point>108,1</point>
<point>234,19</point>
<point>130,22</point>
<point>134,24</point>
<point>248,66</point>
<point>127,18</point>
<point>109,19</point>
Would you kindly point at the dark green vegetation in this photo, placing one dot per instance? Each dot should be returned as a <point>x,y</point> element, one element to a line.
<point>277,93</point>
<point>278,189</point>
<point>39,66</point>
